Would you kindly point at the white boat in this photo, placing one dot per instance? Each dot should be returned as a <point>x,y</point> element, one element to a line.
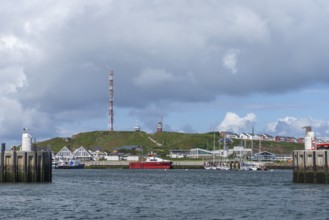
<point>252,166</point>
<point>211,165</point>
<point>223,166</point>
<point>70,164</point>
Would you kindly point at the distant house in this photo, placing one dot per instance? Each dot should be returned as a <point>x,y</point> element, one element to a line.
<point>98,155</point>
<point>64,153</point>
<point>268,137</point>
<point>229,134</point>
<point>178,153</point>
<point>112,157</point>
<point>223,152</point>
<point>82,154</point>
<point>246,136</point>
<point>132,158</point>
<point>200,153</point>
<point>280,138</point>
<point>284,157</point>
<point>264,156</point>
<point>240,151</point>
<point>286,139</point>
<point>257,137</point>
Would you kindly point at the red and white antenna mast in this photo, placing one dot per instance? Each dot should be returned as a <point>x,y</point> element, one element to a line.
<point>111,100</point>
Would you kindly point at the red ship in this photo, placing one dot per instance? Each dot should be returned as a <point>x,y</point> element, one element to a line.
<point>151,162</point>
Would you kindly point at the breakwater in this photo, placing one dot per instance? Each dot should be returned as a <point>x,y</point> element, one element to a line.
<point>176,164</point>
<point>125,164</point>
<point>25,166</point>
<point>311,166</point>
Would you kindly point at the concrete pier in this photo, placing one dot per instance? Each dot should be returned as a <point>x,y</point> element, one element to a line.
<point>22,166</point>
<point>310,166</point>
<point>234,165</point>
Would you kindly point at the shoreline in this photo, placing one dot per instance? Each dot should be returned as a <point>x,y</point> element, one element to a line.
<point>176,165</point>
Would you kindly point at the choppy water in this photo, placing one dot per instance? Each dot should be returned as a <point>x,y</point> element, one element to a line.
<point>160,194</point>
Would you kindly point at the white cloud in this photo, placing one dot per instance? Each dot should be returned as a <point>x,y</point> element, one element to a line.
<point>233,122</point>
<point>230,60</point>
<point>290,126</point>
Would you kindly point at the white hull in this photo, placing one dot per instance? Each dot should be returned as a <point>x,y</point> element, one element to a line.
<point>252,166</point>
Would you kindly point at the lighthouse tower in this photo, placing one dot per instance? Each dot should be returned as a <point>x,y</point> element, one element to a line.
<point>26,141</point>
<point>159,126</point>
<point>309,138</point>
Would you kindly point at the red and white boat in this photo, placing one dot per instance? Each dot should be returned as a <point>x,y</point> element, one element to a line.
<point>151,162</point>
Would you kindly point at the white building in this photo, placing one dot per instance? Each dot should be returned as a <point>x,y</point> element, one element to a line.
<point>241,152</point>
<point>112,157</point>
<point>82,154</point>
<point>200,153</point>
<point>64,154</point>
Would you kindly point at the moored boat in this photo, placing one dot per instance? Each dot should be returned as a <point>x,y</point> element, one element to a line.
<point>151,162</point>
<point>209,165</point>
<point>223,166</point>
<point>71,164</point>
<point>252,166</point>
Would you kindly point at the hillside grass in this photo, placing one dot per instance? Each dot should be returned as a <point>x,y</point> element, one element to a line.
<point>168,140</point>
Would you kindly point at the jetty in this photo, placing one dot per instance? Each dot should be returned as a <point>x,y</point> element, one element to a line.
<point>26,165</point>
<point>312,164</point>
<point>233,164</point>
<point>125,164</point>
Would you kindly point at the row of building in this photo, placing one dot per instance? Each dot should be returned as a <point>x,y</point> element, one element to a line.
<point>87,155</point>
<point>265,137</point>
<point>237,152</point>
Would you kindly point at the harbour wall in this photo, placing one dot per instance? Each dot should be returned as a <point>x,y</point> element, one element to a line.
<point>311,166</point>
<point>25,166</point>
<point>176,164</point>
<point>125,164</point>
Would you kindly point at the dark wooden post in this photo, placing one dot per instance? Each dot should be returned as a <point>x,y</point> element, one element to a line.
<point>35,162</point>
<point>25,161</point>
<point>3,147</point>
<point>14,164</point>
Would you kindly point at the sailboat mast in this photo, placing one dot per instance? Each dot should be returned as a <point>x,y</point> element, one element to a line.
<point>213,151</point>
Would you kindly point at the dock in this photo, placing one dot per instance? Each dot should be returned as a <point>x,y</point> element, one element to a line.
<point>125,164</point>
<point>311,166</point>
<point>234,165</point>
<point>25,166</point>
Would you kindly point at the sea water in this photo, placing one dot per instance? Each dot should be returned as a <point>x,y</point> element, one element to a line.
<point>165,194</point>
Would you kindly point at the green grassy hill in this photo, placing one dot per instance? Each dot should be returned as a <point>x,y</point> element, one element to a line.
<point>159,142</point>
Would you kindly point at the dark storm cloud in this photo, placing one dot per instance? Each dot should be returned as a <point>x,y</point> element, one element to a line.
<point>161,52</point>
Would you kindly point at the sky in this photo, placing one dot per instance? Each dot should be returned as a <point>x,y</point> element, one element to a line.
<point>198,65</point>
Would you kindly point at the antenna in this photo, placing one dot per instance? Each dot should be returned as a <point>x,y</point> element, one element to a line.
<point>110,100</point>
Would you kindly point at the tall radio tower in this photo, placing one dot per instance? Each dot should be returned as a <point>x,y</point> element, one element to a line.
<point>111,100</point>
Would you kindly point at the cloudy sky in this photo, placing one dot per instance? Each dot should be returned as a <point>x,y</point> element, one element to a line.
<point>201,65</point>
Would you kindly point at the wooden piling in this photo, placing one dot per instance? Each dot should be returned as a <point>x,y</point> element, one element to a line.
<point>310,166</point>
<point>20,166</point>
<point>3,147</point>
